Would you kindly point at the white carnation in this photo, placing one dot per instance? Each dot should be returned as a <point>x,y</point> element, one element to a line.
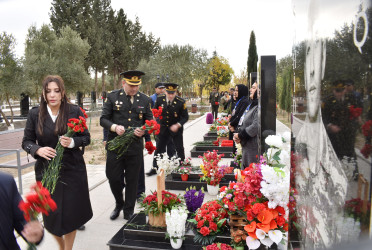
<point>274,141</point>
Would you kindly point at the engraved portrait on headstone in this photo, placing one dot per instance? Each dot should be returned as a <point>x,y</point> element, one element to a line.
<point>324,182</point>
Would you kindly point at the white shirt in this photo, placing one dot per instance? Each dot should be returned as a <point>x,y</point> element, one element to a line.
<point>54,118</point>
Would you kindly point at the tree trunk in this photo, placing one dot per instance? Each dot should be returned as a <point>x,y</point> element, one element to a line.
<point>103,81</point>
<point>5,119</point>
<point>95,80</point>
<point>11,108</point>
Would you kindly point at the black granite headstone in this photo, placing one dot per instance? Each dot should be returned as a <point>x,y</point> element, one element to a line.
<point>24,105</point>
<point>252,78</point>
<point>267,100</point>
<point>79,99</point>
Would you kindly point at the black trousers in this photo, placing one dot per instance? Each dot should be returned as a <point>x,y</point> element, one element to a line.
<point>164,138</point>
<point>131,164</point>
<point>170,148</point>
<point>215,111</point>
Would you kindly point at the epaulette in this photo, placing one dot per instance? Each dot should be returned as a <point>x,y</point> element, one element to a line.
<point>161,95</point>
<point>180,99</point>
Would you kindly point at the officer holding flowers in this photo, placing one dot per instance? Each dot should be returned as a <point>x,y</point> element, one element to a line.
<point>174,116</point>
<point>125,110</point>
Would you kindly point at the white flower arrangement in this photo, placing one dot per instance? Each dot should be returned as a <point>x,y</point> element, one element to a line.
<point>167,164</point>
<point>275,174</point>
<point>176,220</point>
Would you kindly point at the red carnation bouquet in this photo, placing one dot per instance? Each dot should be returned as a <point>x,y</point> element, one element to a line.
<point>157,112</point>
<point>212,172</point>
<point>150,203</point>
<point>51,173</point>
<point>210,220</point>
<point>367,128</point>
<point>37,201</point>
<point>121,143</point>
<point>354,112</point>
<point>150,147</point>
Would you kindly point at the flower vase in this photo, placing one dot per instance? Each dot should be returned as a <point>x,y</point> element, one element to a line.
<point>157,220</point>
<point>184,177</point>
<point>213,190</point>
<point>177,244</point>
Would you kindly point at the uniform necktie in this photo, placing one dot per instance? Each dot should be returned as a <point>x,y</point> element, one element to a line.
<point>129,100</point>
<point>169,103</point>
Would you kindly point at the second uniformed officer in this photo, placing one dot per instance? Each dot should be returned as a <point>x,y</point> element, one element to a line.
<point>124,109</point>
<point>174,117</point>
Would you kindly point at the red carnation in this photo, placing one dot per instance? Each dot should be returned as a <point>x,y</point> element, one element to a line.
<point>204,231</point>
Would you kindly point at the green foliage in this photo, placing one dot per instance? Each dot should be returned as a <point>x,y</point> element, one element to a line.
<point>252,55</point>
<point>220,72</point>
<point>182,63</point>
<point>10,69</point>
<point>47,54</point>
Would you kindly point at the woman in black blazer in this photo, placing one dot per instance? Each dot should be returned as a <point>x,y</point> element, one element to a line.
<point>46,125</point>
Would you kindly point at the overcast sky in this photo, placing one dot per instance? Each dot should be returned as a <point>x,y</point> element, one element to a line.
<point>220,25</point>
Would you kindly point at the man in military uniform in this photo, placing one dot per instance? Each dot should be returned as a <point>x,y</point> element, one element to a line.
<point>335,112</point>
<point>174,115</point>
<point>125,109</point>
<point>214,100</point>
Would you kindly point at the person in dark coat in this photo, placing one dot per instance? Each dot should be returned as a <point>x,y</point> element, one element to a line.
<point>248,129</point>
<point>11,217</point>
<point>242,101</point>
<point>46,125</point>
<point>125,109</point>
<point>175,116</point>
<point>214,100</point>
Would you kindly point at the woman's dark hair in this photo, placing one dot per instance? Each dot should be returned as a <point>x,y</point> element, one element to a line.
<point>242,91</point>
<point>61,122</point>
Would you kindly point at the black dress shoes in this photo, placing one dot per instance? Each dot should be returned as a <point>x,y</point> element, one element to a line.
<point>151,172</point>
<point>116,212</point>
<point>128,215</point>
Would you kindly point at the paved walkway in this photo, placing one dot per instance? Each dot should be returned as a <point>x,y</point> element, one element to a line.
<point>100,229</point>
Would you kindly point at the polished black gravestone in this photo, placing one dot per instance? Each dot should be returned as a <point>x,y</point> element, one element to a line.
<point>174,182</point>
<point>210,136</point>
<point>267,100</point>
<point>137,234</point>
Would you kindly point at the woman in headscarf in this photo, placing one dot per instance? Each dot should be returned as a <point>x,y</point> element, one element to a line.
<point>242,101</point>
<point>248,129</point>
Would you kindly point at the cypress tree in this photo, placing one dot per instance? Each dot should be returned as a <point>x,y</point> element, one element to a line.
<point>252,55</point>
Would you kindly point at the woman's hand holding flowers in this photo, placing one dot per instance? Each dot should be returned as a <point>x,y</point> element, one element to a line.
<point>46,152</point>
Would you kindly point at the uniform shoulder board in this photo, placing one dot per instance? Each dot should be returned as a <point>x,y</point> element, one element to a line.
<point>180,99</point>
<point>161,95</point>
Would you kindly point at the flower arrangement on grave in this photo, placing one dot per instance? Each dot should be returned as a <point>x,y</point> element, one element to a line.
<point>266,225</point>
<point>121,143</point>
<point>37,201</point>
<point>222,131</point>
<point>213,127</point>
<point>353,209</point>
<point>149,203</point>
<point>186,162</point>
<point>366,150</point>
<point>51,173</point>
<point>210,220</point>
<point>176,220</point>
<point>167,164</point>
<point>184,170</point>
<point>193,198</point>
<point>367,128</point>
<point>209,118</point>
<point>218,246</point>
<point>212,172</point>
<point>238,155</point>
<point>267,219</point>
<point>223,121</point>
